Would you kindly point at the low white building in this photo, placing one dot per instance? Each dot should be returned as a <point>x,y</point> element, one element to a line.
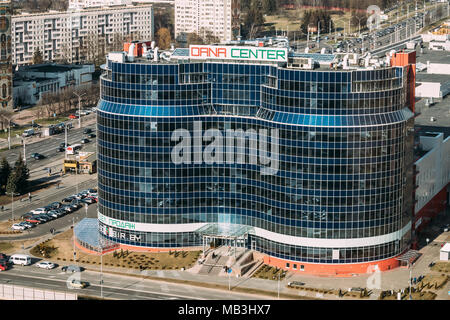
<point>31,82</point>
<point>444,253</point>
<point>439,45</point>
<point>433,176</point>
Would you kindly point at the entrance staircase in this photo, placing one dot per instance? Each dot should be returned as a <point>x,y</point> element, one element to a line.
<point>243,262</point>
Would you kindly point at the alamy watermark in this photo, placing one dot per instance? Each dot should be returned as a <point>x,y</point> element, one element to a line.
<point>373,21</point>
<point>230,147</point>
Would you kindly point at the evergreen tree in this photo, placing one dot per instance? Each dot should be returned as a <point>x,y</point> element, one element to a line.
<point>5,170</point>
<point>18,178</point>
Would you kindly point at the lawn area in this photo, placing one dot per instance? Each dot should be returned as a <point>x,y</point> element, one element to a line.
<point>269,272</point>
<point>442,266</point>
<point>14,131</point>
<point>52,120</point>
<point>60,250</point>
<point>11,247</point>
<point>5,227</point>
<point>283,22</point>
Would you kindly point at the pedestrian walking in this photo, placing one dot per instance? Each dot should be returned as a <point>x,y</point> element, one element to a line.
<point>3,208</point>
<point>29,196</point>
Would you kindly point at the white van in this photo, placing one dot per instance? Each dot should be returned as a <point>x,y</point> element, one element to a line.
<point>22,259</point>
<point>28,132</point>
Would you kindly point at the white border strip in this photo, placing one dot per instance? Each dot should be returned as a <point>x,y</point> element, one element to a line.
<point>277,237</point>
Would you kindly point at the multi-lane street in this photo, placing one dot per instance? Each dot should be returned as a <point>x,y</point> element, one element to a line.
<point>114,286</point>
<point>47,147</point>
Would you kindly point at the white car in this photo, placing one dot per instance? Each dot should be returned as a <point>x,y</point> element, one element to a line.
<point>45,265</point>
<point>39,211</point>
<point>17,226</point>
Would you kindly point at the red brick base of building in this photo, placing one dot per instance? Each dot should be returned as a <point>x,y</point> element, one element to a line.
<point>335,270</point>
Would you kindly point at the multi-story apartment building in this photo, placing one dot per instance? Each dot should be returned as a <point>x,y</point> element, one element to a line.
<point>78,35</point>
<point>5,55</point>
<point>81,4</point>
<point>201,16</point>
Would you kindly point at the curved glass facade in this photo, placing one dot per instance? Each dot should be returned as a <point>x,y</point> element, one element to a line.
<point>342,141</point>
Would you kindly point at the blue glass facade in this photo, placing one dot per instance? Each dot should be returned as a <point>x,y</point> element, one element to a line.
<point>343,189</point>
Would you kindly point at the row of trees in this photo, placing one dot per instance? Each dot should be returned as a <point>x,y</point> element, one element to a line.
<point>64,101</point>
<point>14,179</point>
<point>40,5</point>
<point>344,4</point>
<point>312,18</point>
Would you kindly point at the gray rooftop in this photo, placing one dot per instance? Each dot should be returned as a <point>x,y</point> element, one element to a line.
<point>440,111</point>
<point>430,77</point>
<point>433,56</point>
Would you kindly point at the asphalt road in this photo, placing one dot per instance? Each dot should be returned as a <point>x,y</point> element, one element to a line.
<point>47,148</point>
<point>114,286</point>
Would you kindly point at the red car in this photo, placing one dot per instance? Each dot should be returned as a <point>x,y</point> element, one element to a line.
<point>93,198</point>
<point>72,116</point>
<point>3,265</point>
<point>33,220</point>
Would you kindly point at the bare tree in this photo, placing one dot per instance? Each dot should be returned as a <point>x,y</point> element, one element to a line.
<point>5,117</point>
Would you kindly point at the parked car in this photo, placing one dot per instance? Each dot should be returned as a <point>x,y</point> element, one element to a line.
<point>63,144</point>
<point>28,224</point>
<point>26,215</point>
<point>72,116</point>
<point>85,140</point>
<point>17,226</point>
<point>77,284</point>
<point>95,199</point>
<point>68,199</point>
<point>87,130</point>
<point>53,214</point>
<point>55,205</point>
<point>3,256</point>
<point>60,149</point>
<point>72,268</point>
<point>22,259</point>
<point>88,200</point>
<point>48,216</point>
<point>76,203</point>
<point>42,218</point>
<point>28,132</point>
<point>67,208</point>
<point>39,211</point>
<point>45,265</point>
<point>4,265</point>
<point>34,219</point>
<point>91,135</point>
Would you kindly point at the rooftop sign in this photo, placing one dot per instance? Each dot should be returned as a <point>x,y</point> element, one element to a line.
<point>238,53</point>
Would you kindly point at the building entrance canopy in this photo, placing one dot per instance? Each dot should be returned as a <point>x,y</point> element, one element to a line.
<point>224,231</point>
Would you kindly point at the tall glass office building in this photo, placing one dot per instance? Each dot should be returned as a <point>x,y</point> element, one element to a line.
<point>311,167</point>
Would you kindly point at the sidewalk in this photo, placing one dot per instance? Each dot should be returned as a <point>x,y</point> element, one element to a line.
<point>66,181</point>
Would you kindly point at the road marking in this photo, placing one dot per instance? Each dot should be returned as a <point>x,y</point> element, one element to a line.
<point>164,288</point>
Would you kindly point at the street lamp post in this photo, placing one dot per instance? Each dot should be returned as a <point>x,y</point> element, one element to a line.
<point>24,151</point>
<point>79,107</point>
<point>9,135</point>
<point>278,286</point>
